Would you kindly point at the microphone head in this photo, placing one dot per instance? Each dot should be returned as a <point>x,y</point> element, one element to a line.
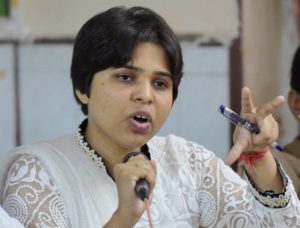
<point>142,189</point>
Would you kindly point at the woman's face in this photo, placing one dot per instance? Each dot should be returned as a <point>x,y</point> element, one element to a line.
<point>128,105</point>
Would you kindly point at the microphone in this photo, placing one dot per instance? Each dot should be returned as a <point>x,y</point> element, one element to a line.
<point>141,186</point>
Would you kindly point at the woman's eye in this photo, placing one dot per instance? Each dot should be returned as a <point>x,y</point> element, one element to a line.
<point>161,84</point>
<point>124,77</point>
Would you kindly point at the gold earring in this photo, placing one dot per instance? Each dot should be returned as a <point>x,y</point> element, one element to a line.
<point>83,98</point>
<point>298,117</point>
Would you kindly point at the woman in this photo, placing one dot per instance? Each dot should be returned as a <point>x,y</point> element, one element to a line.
<point>126,69</point>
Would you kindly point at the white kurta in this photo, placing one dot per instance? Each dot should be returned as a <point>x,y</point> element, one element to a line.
<point>55,183</point>
<point>7,222</point>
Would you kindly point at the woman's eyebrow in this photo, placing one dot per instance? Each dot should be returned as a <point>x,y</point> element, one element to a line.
<point>138,69</point>
<point>134,68</point>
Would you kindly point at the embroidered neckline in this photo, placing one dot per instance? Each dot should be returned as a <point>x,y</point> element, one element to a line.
<point>85,146</point>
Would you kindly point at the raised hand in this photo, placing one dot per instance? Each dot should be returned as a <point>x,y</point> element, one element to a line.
<point>243,140</point>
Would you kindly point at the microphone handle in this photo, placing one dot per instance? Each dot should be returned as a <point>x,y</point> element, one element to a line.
<point>141,186</point>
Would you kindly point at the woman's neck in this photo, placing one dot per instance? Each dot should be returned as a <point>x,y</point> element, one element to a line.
<point>109,153</point>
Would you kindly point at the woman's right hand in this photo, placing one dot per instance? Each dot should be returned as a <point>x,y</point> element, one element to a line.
<point>130,206</point>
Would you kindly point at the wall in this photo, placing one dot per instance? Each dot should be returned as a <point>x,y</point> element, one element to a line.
<point>269,39</point>
<point>206,18</point>
<point>261,46</point>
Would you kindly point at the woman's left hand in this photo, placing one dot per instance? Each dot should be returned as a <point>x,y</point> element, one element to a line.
<point>243,139</point>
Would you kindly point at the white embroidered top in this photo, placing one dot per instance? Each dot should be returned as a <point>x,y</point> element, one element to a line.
<point>55,184</point>
<point>7,222</point>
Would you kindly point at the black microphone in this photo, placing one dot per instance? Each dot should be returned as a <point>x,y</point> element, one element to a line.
<point>141,186</point>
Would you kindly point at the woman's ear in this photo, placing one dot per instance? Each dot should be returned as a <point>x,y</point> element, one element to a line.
<point>82,97</point>
<point>294,103</point>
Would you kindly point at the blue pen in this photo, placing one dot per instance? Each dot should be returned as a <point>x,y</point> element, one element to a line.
<point>238,120</point>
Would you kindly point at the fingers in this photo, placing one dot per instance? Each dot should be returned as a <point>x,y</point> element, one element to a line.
<point>268,107</point>
<point>269,132</point>
<point>247,103</point>
<point>138,167</point>
<point>153,164</point>
<point>126,176</point>
<point>234,153</point>
<point>264,110</point>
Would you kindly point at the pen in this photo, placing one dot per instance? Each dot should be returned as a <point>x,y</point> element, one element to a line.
<point>238,120</point>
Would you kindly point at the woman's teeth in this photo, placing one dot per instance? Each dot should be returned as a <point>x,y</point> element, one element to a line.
<point>141,119</point>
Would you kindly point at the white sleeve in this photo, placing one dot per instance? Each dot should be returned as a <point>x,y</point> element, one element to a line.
<point>30,195</point>
<point>8,222</point>
<point>228,201</point>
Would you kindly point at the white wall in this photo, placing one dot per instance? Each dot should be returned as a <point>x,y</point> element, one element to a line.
<point>203,89</point>
<point>48,108</point>
<point>7,99</point>
<point>43,18</point>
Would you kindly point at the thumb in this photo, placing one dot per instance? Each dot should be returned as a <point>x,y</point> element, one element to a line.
<point>234,153</point>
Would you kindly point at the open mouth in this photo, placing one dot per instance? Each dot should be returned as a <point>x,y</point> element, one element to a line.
<point>140,122</point>
<point>141,118</point>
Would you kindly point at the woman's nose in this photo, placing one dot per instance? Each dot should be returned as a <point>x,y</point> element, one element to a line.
<point>143,93</point>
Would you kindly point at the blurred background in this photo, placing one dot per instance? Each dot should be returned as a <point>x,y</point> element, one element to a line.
<point>226,44</point>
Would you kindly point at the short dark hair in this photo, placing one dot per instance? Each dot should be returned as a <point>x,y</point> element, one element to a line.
<point>295,72</point>
<point>109,39</point>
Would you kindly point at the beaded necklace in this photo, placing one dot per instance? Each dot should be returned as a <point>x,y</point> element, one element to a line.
<point>85,146</point>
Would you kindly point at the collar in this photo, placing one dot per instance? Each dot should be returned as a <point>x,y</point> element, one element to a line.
<point>93,154</point>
